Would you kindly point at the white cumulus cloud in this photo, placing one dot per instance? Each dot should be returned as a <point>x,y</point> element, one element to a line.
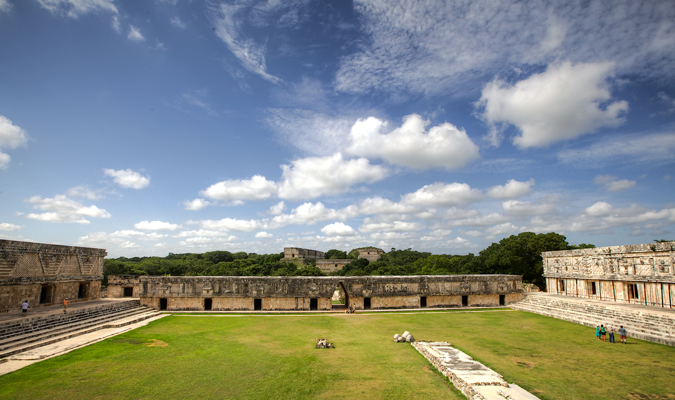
<point>263,235</point>
<point>256,188</point>
<point>442,195</point>
<point>11,137</point>
<point>62,209</point>
<point>396,226</point>
<point>5,226</point>
<point>512,190</point>
<point>611,184</point>
<point>338,229</point>
<point>410,145</point>
<point>196,204</point>
<point>313,177</point>
<point>128,178</point>
<point>564,102</point>
<point>230,224</point>
<point>156,226</point>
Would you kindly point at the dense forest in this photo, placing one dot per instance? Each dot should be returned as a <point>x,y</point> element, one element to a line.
<point>517,254</point>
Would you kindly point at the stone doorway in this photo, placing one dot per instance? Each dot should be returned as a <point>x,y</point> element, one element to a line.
<point>313,304</point>
<point>162,304</point>
<point>502,300</point>
<point>46,294</point>
<point>208,304</point>
<point>340,298</point>
<point>83,291</point>
<point>257,304</point>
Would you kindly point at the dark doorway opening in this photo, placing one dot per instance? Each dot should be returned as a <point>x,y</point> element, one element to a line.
<point>257,304</point>
<point>502,300</point>
<point>162,304</point>
<point>423,301</point>
<point>313,304</point>
<point>128,292</point>
<point>82,291</point>
<point>45,295</point>
<point>465,301</point>
<point>366,303</point>
<point>208,304</point>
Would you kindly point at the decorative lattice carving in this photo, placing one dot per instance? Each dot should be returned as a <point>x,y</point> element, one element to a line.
<point>27,266</point>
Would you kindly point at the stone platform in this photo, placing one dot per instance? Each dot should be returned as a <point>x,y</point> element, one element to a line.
<point>654,324</point>
<point>473,379</point>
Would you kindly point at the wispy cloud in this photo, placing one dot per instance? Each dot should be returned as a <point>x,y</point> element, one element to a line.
<point>135,34</point>
<point>76,8</point>
<point>426,47</point>
<point>637,148</point>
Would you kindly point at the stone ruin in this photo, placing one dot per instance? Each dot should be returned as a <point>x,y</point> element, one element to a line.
<point>406,337</point>
<point>324,344</point>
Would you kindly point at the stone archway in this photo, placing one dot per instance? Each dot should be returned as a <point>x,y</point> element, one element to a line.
<point>345,297</point>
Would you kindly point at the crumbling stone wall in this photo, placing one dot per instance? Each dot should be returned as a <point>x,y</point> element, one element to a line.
<point>47,272</point>
<point>300,293</point>
<point>122,286</point>
<point>369,253</point>
<point>334,265</point>
<point>641,274</point>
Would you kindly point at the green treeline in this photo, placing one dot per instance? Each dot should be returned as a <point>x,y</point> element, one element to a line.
<point>517,254</point>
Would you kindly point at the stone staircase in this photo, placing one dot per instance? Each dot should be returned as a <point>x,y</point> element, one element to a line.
<point>30,333</point>
<point>646,323</point>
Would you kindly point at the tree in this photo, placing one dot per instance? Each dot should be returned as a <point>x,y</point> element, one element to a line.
<point>521,255</point>
<point>333,254</point>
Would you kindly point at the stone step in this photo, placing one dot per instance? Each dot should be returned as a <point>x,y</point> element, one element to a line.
<point>641,324</point>
<point>643,318</point>
<point>37,323</point>
<point>647,319</point>
<point>633,331</point>
<point>59,329</point>
<point>29,346</point>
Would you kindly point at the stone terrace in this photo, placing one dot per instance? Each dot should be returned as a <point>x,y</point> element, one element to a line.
<point>654,324</point>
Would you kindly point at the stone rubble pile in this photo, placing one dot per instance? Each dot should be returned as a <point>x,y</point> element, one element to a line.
<point>323,344</point>
<point>406,337</point>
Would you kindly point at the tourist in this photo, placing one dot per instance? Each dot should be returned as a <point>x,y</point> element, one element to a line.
<point>24,307</point>
<point>603,332</point>
<point>622,333</point>
<point>65,305</point>
<point>597,331</point>
<point>610,330</point>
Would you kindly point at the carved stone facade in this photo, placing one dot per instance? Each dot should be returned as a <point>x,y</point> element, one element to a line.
<point>331,266</point>
<point>296,252</point>
<point>640,274</point>
<point>369,253</point>
<point>45,274</point>
<point>122,286</point>
<point>314,293</point>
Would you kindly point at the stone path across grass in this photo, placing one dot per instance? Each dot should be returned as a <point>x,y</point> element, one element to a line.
<point>473,379</point>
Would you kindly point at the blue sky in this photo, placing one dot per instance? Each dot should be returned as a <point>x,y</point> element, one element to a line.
<point>157,126</point>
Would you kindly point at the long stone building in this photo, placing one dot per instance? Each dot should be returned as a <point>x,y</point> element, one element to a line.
<point>314,293</point>
<point>636,274</point>
<point>45,274</point>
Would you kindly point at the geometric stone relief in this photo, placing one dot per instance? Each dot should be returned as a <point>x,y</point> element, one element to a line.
<point>27,266</point>
<point>70,266</point>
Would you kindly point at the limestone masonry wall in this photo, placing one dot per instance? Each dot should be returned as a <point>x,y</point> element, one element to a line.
<point>306,293</point>
<point>46,274</point>
<point>641,274</point>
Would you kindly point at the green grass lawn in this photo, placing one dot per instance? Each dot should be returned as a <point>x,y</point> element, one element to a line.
<point>273,357</point>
